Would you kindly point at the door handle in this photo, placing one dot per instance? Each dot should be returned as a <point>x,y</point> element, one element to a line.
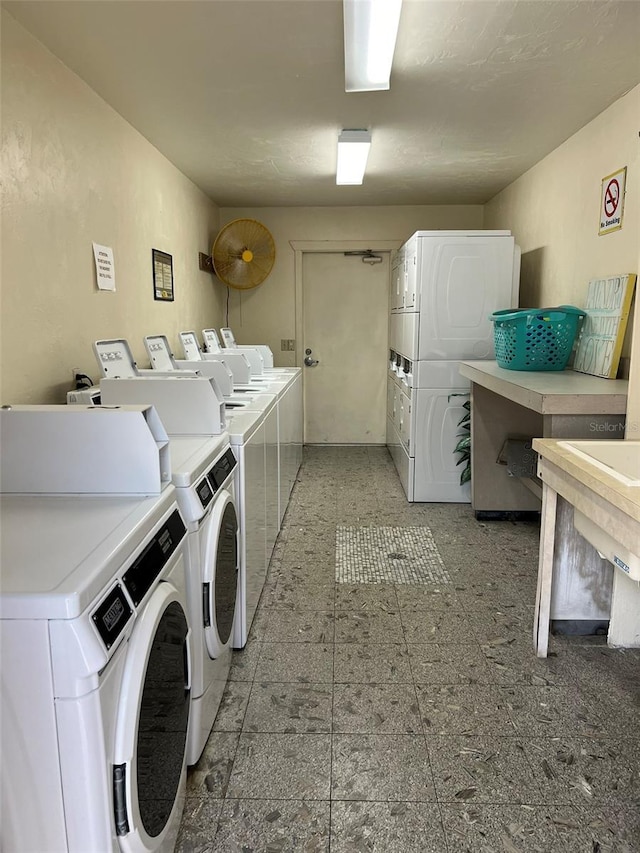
<point>311,362</point>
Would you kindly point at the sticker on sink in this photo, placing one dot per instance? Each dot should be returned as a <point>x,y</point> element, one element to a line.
<point>621,564</point>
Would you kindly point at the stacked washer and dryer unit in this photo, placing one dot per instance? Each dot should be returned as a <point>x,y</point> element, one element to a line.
<point>444,287</point>
<point>95,632</point>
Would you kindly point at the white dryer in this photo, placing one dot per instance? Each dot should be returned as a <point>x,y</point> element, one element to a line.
<point>204,474</point>
<point>96,673</point>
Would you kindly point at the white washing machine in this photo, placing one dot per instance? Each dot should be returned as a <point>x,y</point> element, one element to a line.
<point>204,474</point>
<point>96,674</point>
<point>247,436</point>
<point>162,359</point>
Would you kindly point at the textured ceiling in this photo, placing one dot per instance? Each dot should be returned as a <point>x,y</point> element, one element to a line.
<point>247,97</point>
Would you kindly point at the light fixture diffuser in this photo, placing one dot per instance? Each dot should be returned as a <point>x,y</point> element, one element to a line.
<point>370,31</point>
<point>353,151</point>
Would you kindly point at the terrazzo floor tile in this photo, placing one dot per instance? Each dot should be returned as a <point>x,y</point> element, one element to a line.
<point>435,627</point>
<point>308,595</point>
<point>593,829</point>
<point>289,708</point>
<point>371,663</point>
<point>232,706</point>
<point>552,711</point>
<point>273,826</point>
<point>479,594</point>
<point>301,626</point>
<point>584,771</point>
<point>471,828</point>
<point>426,598</point>
<point>244,661</point>
<point>366,597</point>
<point>375,709</point>
<point>259,625</point>
<point>363,827</point>
<point>364,626</point>
<point>199,825</point>
<point>515,663</point>
<point>296,662</point>
<point>210,776</point>
<point>482,770</point>
<point>593,663</point>
<point>514,623</point>
<point>282,766</point>
<point>381,767</point>
<point>450,663</point>
<point>467,709</point>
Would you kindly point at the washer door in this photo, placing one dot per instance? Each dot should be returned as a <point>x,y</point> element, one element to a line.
<point>151,729</point>
<point>220,555</point>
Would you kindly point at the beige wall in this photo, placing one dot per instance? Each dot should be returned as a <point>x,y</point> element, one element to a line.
<point>266,314</point>
<point>74,172</point>
<point>553,210</point>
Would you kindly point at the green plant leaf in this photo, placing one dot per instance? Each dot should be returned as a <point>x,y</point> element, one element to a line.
<point>466,456</point>
<point>467,405</point>
<point>465,477</point>
<point>466,419</point>
<point>463,444</point>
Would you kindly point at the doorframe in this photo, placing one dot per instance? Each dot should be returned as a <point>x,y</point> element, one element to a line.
<point>302,247</point>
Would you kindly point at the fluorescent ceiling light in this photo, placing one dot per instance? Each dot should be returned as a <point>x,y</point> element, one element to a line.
<point>370,31</point>
<point>353,151</point>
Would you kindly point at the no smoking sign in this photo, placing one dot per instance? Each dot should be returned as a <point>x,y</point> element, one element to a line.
<point>612,201</point>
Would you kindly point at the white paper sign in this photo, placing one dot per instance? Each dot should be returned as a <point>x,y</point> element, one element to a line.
<point>105,270</point>
<point>612,201</point>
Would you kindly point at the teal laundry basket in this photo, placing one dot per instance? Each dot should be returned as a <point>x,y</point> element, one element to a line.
<point>536,339</point>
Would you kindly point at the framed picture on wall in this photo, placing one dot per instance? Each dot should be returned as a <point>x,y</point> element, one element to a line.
<point>162,276</point>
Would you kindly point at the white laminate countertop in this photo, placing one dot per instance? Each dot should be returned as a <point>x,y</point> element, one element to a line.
<point>551,392</point>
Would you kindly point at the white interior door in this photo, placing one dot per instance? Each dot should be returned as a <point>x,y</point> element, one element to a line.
<point>345,317</point>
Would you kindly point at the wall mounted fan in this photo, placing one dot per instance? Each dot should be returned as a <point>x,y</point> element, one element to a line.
<point>243,254</point>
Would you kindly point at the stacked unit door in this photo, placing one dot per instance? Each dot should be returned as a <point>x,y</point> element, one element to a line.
<point>462,281</point>
<point>436,475</point>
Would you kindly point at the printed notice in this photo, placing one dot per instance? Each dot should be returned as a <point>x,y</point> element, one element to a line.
<point>105,270</point>
<point>612,201</point>
<point>162,276</point>
<point>602,333</point>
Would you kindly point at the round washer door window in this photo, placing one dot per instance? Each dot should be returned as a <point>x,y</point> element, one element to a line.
<point>164,719</point>
<point>151,730</point>
<point>220,581</point>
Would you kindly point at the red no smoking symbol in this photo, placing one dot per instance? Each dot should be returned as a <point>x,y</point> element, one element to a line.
<point>611,197</point>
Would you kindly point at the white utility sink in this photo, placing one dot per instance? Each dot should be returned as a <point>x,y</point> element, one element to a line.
<point>619,459</point>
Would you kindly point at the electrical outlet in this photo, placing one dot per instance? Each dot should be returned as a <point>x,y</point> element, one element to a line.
<point>204,262</point>
<point>287,345</point>
<point>74,372</point>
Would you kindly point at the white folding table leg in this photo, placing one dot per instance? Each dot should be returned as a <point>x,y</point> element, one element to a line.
<point>545,571</point>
